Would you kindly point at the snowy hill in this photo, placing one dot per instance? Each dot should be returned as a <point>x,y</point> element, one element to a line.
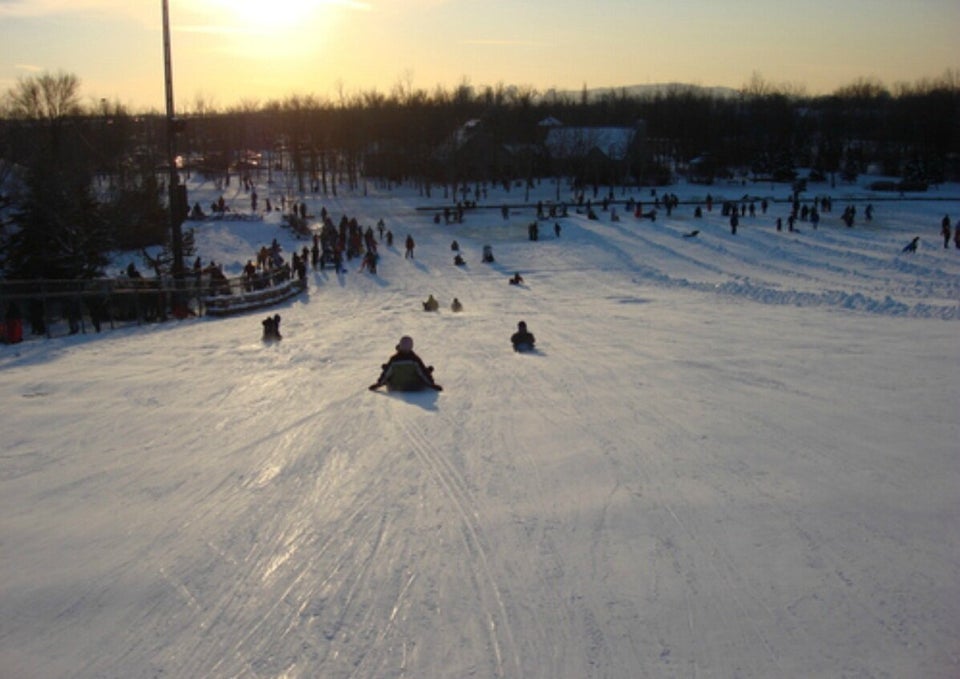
<point>731,456</point>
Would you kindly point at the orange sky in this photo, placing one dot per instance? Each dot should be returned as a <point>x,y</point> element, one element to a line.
<point>227,52</point>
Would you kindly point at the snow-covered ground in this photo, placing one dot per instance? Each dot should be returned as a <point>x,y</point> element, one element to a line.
<point>732,456</point>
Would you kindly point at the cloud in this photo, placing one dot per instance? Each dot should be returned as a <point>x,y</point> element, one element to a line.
<point>352,4</point>
<point>120,9</point>
<point>212,29</point>
<point>39,8</point>
<point>32,68</point>
<point>501,43</point>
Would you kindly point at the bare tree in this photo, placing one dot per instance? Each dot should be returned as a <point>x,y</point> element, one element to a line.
<point>863,89</point>
<point>758,87</point>
<point>45,97</point>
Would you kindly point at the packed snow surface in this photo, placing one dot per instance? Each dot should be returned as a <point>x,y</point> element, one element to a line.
<point>730,456</point>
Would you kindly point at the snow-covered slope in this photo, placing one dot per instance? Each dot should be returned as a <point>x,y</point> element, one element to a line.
<point>732,456</point>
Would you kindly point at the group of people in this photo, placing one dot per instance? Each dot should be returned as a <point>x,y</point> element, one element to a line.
<point>271,328</point>
<point>945,233</point>
<point>349,240</point>
<point>431,304</point>
<point>270,268</point>
<point>406,371</point>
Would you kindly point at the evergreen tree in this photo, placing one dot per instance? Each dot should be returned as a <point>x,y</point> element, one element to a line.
<point>57,229</point>
<point>134,213</point>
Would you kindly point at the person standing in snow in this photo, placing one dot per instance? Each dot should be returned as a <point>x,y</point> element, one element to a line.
<point>369,261</point>
<point>945,231</point>
<point>409,246</point>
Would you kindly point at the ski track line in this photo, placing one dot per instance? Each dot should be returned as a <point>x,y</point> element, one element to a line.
<point>247,647</point>
<point>747,251</point>
<point>735,583</point>
<point>513,383</point>
<point>271,552</point>
<point>618,462</point>
<point>219,611</point>
<point>455,488</point>
<point>516,383</point>
<point>359,545</point>
<point>555,406</point>
<point>728,572</point>
<point>822,274</point>
<point>850,590</point>
<point>362,670</point>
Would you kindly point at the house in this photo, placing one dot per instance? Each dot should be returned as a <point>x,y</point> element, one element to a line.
<point>471,153</point>
<point>595,154</point>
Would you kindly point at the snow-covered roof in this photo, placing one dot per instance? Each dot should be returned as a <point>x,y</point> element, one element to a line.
<point>465,131</point>
<point>567,142</point>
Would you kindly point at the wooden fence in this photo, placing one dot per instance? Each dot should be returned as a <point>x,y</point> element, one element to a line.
<point>53,308</point>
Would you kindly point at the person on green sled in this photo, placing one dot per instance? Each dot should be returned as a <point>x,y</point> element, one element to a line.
<point>405,371</point>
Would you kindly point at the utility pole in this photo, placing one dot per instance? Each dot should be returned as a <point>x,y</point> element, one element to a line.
<point>175,196</point>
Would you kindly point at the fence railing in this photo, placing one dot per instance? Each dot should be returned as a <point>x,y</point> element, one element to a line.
<point>54,308</point>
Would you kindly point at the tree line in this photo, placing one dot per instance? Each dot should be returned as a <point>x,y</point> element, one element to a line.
<point>92,176</point>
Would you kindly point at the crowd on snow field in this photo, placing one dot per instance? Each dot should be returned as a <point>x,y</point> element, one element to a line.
<point>347,240</point>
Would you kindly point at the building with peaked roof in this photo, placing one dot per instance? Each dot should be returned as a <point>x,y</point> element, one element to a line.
<point>591,155</point>
<point>595,154</point>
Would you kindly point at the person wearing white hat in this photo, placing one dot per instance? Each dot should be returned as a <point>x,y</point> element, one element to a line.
<point>405,371</point>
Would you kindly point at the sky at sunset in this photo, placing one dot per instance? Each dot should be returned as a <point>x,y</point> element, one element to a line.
<point>229,52</point>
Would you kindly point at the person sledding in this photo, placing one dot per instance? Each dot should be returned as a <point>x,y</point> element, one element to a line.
<point>522,339</point>
<point>517,279</point>
<point>431,304</point>
<point>405,371</point>
<point>271,328</point>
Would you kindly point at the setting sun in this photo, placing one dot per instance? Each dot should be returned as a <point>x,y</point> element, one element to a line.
<point>263,16</point>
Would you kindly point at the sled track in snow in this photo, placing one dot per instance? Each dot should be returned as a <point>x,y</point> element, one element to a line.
<point>881,280</point>
<point>501,638</point>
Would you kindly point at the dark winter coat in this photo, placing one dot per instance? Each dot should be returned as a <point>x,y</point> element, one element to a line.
<point>521,338</point>
<point>424,372</point>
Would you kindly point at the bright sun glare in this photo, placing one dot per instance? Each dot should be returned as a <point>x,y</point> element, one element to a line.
<point>269,15</point>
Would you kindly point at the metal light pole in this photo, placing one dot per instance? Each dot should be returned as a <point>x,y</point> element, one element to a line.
<point>174,179</point>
